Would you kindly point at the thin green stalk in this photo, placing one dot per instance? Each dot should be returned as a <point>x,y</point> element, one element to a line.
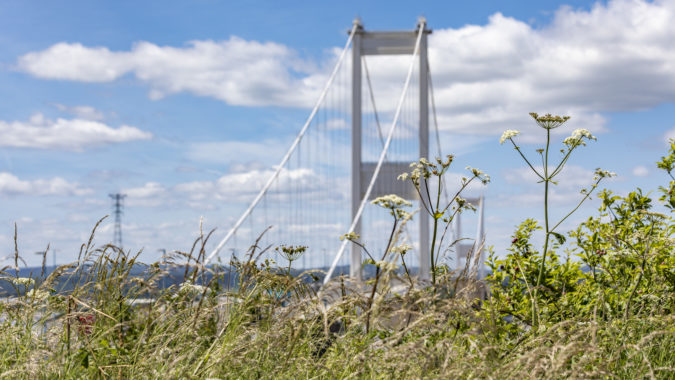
<point>540,278</point>
<point>433,239</point>
<point>527,161</point>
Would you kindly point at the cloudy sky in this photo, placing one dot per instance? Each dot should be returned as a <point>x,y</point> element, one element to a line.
<point>174,102</point>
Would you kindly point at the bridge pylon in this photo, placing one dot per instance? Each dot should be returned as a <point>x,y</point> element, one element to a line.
<point>366,43</point>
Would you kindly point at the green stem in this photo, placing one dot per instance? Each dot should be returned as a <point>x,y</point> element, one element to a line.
<point>528,162</point>
<point>433,245</point>
<point>540,278</point>
<point>578,205</point>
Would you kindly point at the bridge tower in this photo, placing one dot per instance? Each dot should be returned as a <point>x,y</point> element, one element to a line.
<point>387,43</point>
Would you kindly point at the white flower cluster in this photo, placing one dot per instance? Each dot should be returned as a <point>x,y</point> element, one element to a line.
<point>479,174</point>
<point>386,266</point>
<point>189,288</point>
<point>390,201</point>
<point>350,236</point>
<point>39,295</point>
<point>599,173</point>
<point>402,249</point>
<point>577,137</point>
<point>509,133</point>
<point>25,281</point>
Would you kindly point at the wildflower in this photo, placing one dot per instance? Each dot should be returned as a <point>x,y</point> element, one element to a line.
<point>291,252</point>
<point>403,177</point>
<point>350,236</point>
<point>86,323</point>
<point>577,137</point>
<point>190,288</point>
<point>599,173</point>
<point>484,178</point>
<point>386,266</point>
<point>402,249</point>
<point>25,281</point>
<point>37,294</point>
<point>390,201</point>
<point>509,133</point>
<point>549,121</point>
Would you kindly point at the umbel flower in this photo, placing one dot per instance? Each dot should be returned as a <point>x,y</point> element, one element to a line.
<point>549,121</point>
<point>509,133</point>
<point>577,137</point>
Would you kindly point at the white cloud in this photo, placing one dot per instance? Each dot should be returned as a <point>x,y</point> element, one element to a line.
<point>151,194</point>
<point>615,56</point>
<point>640,171</point>
<point>12,185</point>
<point>82,112</point>
<point>243,186</point>
<point>74,134</point>
<point>236,71</point>
<point>237,152</point>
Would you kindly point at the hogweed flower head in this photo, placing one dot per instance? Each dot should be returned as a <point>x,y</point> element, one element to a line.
<point>508,134</point>
<point>390,201</point>
<point>577,137</point>
<point>37,294</point>
<point>25,281</point>
<point>599,173</point>
<point>291,252</point>
<point>484,178</point>
<point>350,236</point>
<point>188,287</point>
<point>386,266</point>
<point>402,249</point>
<point>549,121</point>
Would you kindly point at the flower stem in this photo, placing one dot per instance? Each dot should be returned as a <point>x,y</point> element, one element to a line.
<point>540,278</point>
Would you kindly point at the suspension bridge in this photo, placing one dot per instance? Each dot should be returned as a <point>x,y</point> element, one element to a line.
<point>357,139</point>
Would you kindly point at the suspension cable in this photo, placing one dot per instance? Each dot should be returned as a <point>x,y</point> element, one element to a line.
<point>372,100</point>
<point>438,135</point>
<point>289,153</point>
<point>383,154</point>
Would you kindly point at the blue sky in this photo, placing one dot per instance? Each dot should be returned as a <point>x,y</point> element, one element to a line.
<point>155,98</point>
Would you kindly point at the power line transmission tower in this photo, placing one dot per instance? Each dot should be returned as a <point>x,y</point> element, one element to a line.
<point>118,204</point>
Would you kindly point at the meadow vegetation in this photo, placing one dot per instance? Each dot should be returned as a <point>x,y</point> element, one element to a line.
<point>594,302</point>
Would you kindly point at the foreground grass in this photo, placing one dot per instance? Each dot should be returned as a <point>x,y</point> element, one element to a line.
<point>276,326</point>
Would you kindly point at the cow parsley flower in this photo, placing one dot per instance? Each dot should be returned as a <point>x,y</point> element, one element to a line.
<point>25,281</point>
<point>350,236</point>
<point>509,133</point>
<point>39,295</point>
<point>402,249</point>
<point>577,137</point>
<point>390,201</point>
<point>386,266</point>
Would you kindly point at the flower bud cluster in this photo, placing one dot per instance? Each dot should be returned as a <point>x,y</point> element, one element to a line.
<point>549,121</point>
<point>484,178</point>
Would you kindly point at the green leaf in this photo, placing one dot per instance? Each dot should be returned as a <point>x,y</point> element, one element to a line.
<point>559,237</point>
